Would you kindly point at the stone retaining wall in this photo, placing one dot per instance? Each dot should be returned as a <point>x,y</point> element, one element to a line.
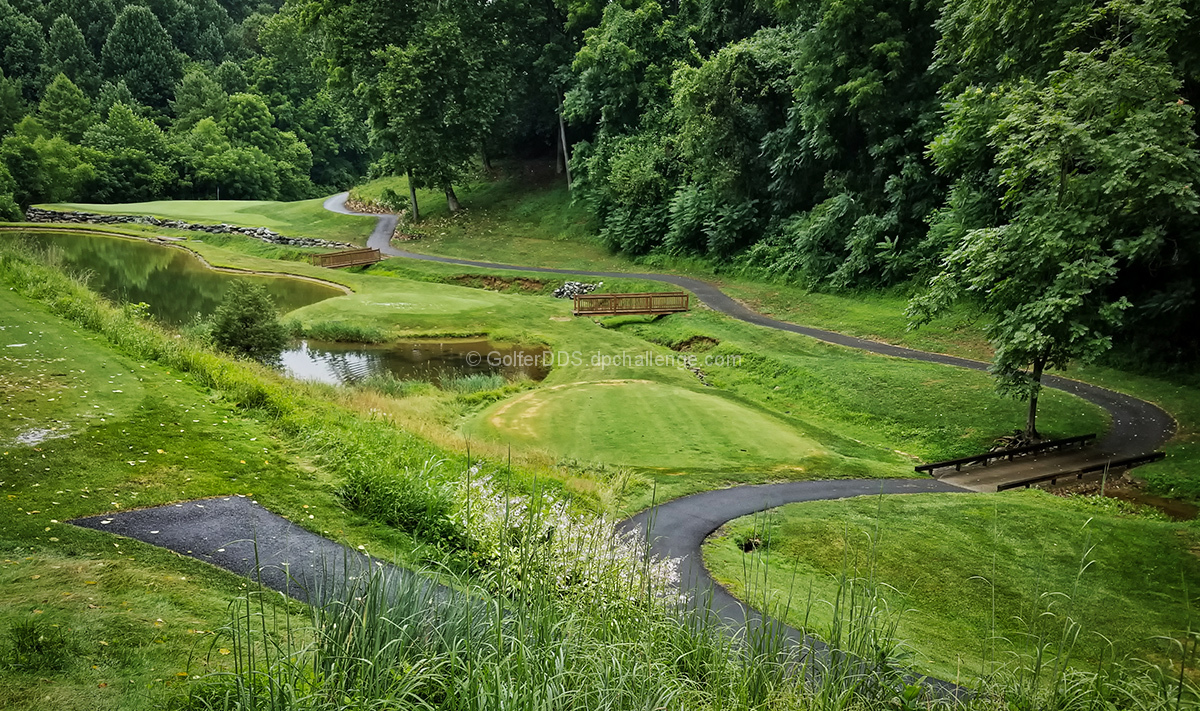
<point>42,216</point>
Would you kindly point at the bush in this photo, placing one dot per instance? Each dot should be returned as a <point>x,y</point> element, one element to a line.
<point>246,323</point>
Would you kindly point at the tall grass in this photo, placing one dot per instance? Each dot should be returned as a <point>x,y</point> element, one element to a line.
<point>861,649</point>
<point>368,455</point>
<point>473,383</point>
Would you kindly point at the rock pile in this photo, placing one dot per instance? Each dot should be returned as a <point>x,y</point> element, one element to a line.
<point>39,215</point>
<point>571,289</point>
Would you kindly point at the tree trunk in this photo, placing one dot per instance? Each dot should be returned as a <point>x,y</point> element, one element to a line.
<point>562,137</point>
<point>412,198</point>
<point>452,199</point>
<point>558,157</point>
<point>1039,365</point>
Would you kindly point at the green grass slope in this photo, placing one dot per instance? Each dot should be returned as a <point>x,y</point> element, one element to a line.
<point>1050,563</point>
<point>305,218</point>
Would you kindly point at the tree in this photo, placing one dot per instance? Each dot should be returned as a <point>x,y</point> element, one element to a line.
<point>132,158</point>
<point>22,47</point>
<point>231,78</point>
<point>197,97</point>
<point>247,324</point>
<point>10,211</point>
<point>248,121</point>
<point>112,94</point>
<point>65,111</point>
<point>210,46</point>
<point>94,19</point>
<point>12,106</point>
<point>68,54</point>
<point>139,52</point>
<point>434,105</point>
<point>1098,166</point>
<point>45,168</point>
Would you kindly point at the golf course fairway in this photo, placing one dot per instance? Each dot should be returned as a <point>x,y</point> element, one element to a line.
<point>643,423</point>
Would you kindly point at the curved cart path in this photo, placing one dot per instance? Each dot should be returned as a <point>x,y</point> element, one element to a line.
<point>1138,427</point>
<point>239,535</point>
<point>236,534</point>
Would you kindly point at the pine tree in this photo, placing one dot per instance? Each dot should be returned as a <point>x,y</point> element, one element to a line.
<point>112,94</point>
<point>93,17</point>
<point>22,46</point>
<point>197,97</point>
<point>69,54</point>
<point>210,47</point>
<point>246,322</point>
<point>139,51</point>
<point>65,110</point>
<point>12,108</point>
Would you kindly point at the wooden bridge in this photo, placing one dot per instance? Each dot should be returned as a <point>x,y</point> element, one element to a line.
<point>347,258</point>
<point>618,304</point>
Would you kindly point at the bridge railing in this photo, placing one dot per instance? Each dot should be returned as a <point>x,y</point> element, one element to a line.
<point>1009,454</point>
<point>1078,474</point>
<point>347,258</point>
<point>616,304</point>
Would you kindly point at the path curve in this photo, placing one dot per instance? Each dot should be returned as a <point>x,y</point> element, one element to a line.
<point>1138,427</point>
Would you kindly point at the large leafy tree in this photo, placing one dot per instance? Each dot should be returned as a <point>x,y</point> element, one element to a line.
<point>12,106</point>
<point>133,159</point>
<point>139,52</point>
<point>22,48</point>
<point>94,18</point>
<point>1097,166</point>
<point>629,171</point>
<point>435,102</point>
<point>45,168</point>
<point>68,54</point>
<point>197,97</point>
<point>65,110</point>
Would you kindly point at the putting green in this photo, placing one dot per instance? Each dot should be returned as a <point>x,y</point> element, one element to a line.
<point>646,424</point>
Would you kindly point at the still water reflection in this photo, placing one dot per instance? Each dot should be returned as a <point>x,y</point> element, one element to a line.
<point>175,284</point>
<point>432,361</point>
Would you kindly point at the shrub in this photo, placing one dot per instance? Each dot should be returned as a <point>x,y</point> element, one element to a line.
<point>246,323</point>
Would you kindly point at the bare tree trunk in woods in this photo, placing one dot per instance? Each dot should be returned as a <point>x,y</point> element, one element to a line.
<point>452,199</point>
<point>1039,365</point>
<point>562,137</point>
<point>487,160</point>
<point>412,198</point>
<point>558,158</point>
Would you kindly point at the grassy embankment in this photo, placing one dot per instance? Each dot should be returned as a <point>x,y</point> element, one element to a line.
<point>123,432</point>
<point>306,218</point>
<point>980,581</point>
<point>509,232</point>
<point>792,408</point>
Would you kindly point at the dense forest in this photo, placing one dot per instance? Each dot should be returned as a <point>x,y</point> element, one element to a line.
<point>109,101</point>
<point>1039,158</point>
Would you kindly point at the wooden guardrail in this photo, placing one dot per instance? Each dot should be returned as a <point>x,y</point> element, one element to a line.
<point>1113,465</point>
<point>985,459</point>
<point>614,304</point>
<point>347,258</point>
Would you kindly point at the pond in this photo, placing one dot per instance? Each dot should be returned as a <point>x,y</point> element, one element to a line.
<point>431,361</point>
<point>175,284</point>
